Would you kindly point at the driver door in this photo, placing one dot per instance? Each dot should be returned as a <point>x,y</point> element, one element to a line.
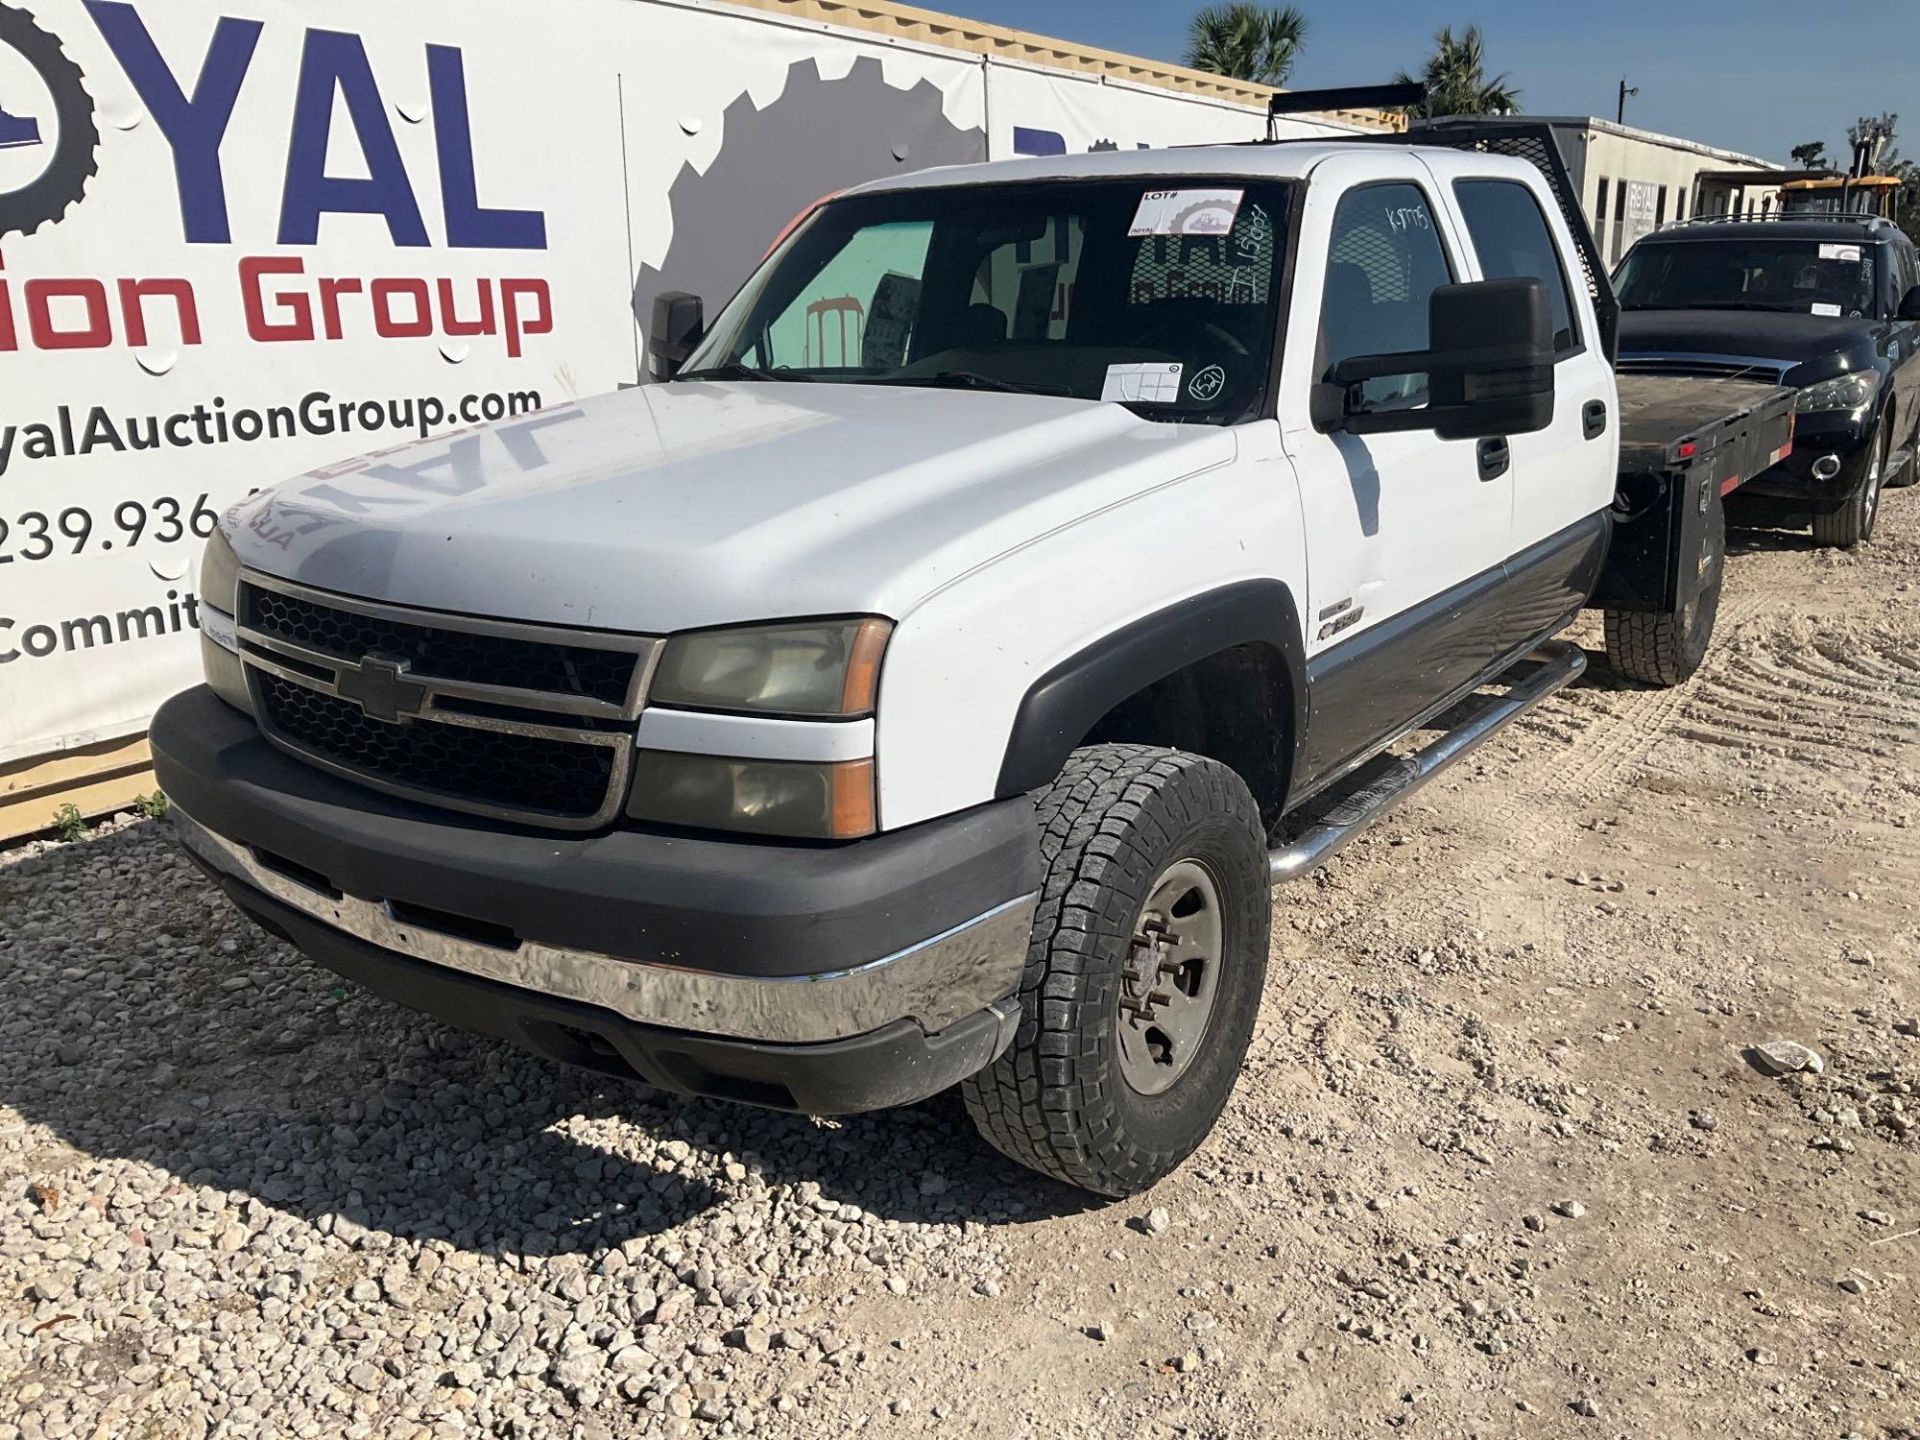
<point>1407,534</point>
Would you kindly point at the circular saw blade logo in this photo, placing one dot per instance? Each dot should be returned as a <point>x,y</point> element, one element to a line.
<point>1208,217</point>
<point>820,135</point>
<point>48,138</point>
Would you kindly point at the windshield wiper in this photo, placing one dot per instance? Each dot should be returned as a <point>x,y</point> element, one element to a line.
<point>974,380</point>
<point>734,370</point>
<point>1707,305</point>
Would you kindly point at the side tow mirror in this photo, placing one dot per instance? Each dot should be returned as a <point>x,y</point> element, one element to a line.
<point>679,322</point>
<point>1909,305</point>
<point>1489,368</point>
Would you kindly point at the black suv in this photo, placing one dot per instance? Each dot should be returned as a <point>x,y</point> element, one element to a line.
<point>1828,305</point>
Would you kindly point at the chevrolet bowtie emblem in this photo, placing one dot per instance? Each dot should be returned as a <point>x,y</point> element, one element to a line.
<point>380,687</point>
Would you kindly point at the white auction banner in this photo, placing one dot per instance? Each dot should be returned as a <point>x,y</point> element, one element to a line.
<point>239,241</point>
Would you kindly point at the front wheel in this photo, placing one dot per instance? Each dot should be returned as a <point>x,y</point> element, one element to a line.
<point>1852,523</point>
<point>1665,647</point>
<point>1144,975</point>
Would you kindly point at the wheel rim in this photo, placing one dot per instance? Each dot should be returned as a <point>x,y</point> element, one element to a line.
<point>1871,499</point>
<point>1171,978</point>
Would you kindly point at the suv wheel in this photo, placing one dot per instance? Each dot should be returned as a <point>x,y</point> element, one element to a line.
<point>1852,523</point>
<point>1144,975</point>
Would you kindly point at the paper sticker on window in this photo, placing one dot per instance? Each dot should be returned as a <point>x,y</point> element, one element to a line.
<point>1186,212</point>
<point>1821,307</point>
<point>1840,252</point>
<point>1156,384</point>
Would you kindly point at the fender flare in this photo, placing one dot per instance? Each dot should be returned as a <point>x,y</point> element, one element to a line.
<point>1064,704</point>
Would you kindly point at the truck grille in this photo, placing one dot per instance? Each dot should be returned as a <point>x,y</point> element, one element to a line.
<point>523,722</point>
<point>447,654</point>
<point>502,769</point>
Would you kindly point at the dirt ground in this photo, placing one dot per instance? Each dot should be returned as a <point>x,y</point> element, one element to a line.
<point>1535,985</point>
<point>1498,1164</point>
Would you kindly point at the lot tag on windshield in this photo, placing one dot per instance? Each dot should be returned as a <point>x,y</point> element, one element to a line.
<point>1840,252</point>
<point>1186,212</point>
<point>1822,307</point>
<point>1156,384</point>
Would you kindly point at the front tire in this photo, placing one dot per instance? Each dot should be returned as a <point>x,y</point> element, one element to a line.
<point>1852,523</point>
<point>1144,975</point>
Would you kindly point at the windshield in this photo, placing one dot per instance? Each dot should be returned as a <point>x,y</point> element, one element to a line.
<point>1812,277</point>
<point>1159,297</point>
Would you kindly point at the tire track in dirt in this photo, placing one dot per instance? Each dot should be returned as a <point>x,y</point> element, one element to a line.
<point>1581,745</point>
<point>1578,749</point>
<point>1819,701</point>
<point>1584,745</point>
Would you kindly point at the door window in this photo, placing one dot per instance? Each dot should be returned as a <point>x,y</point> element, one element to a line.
<point>1510,235</point>
<point>1384,262</point>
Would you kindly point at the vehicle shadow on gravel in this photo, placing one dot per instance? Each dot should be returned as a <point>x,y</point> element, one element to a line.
<point>176,1034</point>
<point>1760,539</point>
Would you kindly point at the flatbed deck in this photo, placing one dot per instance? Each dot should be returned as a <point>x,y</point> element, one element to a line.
<point>1733,428</point>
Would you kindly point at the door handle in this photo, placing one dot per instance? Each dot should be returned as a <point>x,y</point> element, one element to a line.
<point>1593,419</point>
<point>1494,456</point>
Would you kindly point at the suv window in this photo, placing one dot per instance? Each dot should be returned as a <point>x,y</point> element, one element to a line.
<point>1511,237</point>
<point>1384,261</point>
<point>1717,272</point>
<point>1906,268</point>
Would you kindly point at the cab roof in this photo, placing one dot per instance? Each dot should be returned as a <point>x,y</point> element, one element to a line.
<point>1283,160</point>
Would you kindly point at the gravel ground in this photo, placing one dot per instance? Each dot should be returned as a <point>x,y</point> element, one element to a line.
<point>1501,1162</point>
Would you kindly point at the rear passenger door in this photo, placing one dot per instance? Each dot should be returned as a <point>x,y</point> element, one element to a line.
<point>1563,476</point>
<point>1405,539</point>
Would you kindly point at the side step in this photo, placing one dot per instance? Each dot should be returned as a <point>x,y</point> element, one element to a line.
<point>1332,822</point>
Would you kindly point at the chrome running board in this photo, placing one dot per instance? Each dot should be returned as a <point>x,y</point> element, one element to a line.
<point>1330,822</point>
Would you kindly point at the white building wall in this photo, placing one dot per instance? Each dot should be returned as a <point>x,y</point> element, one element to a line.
<point>1632,181</point>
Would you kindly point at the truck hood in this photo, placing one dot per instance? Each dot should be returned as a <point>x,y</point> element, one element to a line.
<point>669,507</point>
<point>1804,348</point>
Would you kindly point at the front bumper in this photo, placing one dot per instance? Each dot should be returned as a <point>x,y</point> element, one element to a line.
<point>1816,437</point>
<point>638,946</point>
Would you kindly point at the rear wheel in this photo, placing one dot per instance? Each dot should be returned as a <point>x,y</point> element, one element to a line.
<point>1144,975</point>
<point>1665,647</point>
<point>1852,523</point>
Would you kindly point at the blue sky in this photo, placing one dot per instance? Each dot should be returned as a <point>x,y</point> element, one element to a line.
<point>1758,75</point>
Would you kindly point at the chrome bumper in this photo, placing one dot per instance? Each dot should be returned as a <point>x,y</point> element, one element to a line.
<point>936,982</point>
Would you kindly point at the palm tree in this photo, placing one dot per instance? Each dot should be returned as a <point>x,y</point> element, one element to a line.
<point>1455,77</point>
<point>1249,42</point>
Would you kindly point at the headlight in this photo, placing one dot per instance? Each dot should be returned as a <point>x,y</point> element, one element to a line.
<point>1844,392</point>
<point>218,589</point>
<point>816,668</point>
<point>807,800</point>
